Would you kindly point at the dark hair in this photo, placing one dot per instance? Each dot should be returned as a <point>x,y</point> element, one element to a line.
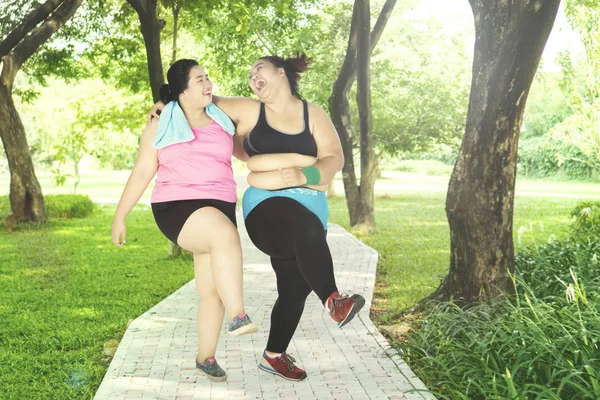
<point>292,66</point>
<point>178,77</point>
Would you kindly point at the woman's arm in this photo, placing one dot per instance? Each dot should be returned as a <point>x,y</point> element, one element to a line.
<point>235,107</point>
<point>272,162</point>
<point>144,169</point>
<point>270,180</point>
<point>238,147</point>
<point>329,147</point>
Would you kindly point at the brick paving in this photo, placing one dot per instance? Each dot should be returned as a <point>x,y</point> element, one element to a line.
<point>155,359</point>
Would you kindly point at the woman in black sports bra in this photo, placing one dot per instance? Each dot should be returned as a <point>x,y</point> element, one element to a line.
<point>293,153</point>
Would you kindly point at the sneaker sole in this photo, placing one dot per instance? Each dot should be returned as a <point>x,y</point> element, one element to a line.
<point>212,378</point>
<point>244,330</point>
<point>359,303</point>
<point>272,371</point>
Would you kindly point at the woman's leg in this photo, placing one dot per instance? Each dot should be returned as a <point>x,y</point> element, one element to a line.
<point>210,308</point>
<point>209,231</point>
<point>283,228</point>
<point>293,291</point>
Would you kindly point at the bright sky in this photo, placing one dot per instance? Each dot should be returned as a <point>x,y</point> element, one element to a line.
<point>561,38</point>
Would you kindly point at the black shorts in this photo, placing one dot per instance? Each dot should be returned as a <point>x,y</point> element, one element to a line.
<point>170,216</point>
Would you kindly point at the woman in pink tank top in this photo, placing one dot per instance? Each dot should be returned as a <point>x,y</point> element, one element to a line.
<point>293,152</point>
<point>195,191</point>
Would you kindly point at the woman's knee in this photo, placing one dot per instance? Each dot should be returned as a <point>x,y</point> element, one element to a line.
<point>196,237</point>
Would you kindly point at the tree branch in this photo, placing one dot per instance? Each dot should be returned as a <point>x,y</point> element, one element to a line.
<point>40,35</point>
<point>349,66</point>
<point>29,22</point>
<point>384,16</point>
<point>348,69</point>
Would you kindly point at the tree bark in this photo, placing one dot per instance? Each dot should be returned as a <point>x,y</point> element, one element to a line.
<point>510,38</point>
<point>26,199</point>
<point>360,208</point>
<point>363,100</point>
<point>151,27</point>
<point>29,22</point>
<point>175,9</point>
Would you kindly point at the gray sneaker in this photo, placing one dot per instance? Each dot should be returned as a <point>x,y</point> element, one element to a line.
<point>211,370</point>
<point>242,325</point>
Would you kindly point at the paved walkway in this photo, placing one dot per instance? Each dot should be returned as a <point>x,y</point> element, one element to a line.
<point>155,359</point>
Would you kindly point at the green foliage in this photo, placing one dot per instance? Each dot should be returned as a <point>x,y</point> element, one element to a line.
<point>413,242</point>
<point>444,153</point>
<point>68,206</point>
<point>538,348</point>
<point>580,84</point>
<point>545,156</point>
<point>546,105</point>
<point>421,80</point>
<point>586,220</point>
<point>58,206</point>
<point>542,344</point>
<point>94,120</point>
<point>67,295</point>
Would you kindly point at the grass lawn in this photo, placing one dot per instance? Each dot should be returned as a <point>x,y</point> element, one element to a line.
<point>412,238</point>
<point>68,293</point>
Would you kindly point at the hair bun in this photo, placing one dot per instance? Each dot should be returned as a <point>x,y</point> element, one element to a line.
<point>165,94</point>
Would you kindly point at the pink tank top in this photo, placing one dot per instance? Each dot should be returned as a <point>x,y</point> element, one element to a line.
<point>198,169</point>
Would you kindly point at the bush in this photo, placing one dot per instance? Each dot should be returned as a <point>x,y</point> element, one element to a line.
<point>542,344</point>
<point>58,206</point>
<point>541,157</point>
<point>586,222</point>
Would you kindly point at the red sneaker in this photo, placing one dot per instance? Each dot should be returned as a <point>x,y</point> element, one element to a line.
<point>282,366</point>
<point>343,308</point>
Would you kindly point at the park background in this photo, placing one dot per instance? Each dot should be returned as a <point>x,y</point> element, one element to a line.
<point>68,294</point>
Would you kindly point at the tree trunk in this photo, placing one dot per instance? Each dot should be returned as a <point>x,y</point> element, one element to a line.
<point>363,100</point>
<point>151,27</point>
<point>359,198</point>
<point>26,198</point>
<point>510,38</point>
<point>175,9</point>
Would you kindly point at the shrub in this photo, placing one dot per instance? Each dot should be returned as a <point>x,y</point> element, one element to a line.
<point>586,220</point>
<point>57,206</point>
<point>540,344</point>
<point>544,157</point>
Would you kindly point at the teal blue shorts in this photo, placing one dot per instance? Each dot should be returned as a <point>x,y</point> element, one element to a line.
<point>314,200</point>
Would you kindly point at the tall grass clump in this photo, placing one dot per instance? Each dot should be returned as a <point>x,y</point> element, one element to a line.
<point>541,343</point>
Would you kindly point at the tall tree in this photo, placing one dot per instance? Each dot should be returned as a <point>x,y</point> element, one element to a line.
<point>36,27</point>
<point>368,163</point>
<point>359,197</point>
<point>510,38</point>
<point>151,26</point>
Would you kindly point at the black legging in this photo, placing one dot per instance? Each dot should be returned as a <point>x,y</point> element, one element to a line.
<point>294,238</point>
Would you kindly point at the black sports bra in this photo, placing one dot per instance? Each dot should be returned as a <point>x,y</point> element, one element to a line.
<point>263,139</point>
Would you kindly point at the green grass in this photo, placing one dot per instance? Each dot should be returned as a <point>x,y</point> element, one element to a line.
<point>66,291</point>
<point>540,344</point>
<point>412,238</point>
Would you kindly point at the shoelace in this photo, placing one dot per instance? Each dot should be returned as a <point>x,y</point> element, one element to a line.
<point>341,298</point>
<point>288,361</point>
